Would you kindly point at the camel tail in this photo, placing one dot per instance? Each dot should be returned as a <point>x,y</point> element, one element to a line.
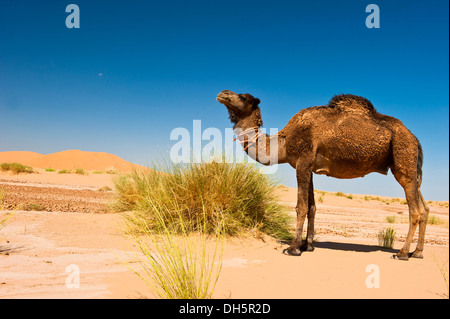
<point>419,164</point>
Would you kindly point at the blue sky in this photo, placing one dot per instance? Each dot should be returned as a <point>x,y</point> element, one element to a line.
<point>135,70</point>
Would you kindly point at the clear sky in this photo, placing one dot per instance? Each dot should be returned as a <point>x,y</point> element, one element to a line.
<point>135,70</point>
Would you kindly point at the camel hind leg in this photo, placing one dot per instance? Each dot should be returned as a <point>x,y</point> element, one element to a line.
<point>422,227</point>
<point>407,170</point>
<point>415,214</point>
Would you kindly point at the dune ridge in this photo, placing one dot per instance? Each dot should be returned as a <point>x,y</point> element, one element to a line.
<point>71,159</point>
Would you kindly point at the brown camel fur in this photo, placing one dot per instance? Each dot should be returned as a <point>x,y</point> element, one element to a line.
<point>347,138</point>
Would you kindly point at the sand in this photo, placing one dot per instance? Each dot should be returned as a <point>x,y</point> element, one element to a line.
<point>40,251</point>
<point>70,160</point>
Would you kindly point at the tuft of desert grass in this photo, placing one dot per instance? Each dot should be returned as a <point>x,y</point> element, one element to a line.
<point>391,219</point>
<point>50,169</point>
<point>105,189</point>
<point>386,237</point>
<point>341,194</point>
<point>205,195</point>
<point>435,220</point>
<point>32,207</point>
<point>65,171</point>
<point>177,264</point>
<point>16,168</point>
<point>443,269</point>
<point>81,171</point>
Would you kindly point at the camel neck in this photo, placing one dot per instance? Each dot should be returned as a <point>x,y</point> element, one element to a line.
<point>261,147</point>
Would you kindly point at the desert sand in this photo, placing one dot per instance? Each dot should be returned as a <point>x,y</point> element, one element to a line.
<point>39,248</point>
<point>70,160</point>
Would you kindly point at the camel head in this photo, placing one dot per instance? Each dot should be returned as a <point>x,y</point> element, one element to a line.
<point>240,106</point>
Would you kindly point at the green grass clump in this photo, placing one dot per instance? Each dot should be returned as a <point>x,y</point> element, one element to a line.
<point>33,207</point>
<point>219,197</point>
<point>341,194</point>
<point>386,237</point>
<point>105,189</point>
<point>390,219</point>
<point>65,171</point>
<point>80,171</point>
<point>435,220</point>
<point>177,264</point>
<point>16,168</point>
<point>50,170</point>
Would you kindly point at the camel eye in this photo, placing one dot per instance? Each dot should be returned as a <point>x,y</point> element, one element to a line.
<point>243,99</point>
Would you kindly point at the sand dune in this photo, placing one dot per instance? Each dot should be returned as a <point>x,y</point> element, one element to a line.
<point>72,159</point>
<point>19,157</point>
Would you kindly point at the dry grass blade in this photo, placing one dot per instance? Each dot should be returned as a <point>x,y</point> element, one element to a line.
<point>178,266</point>
<point>205,195</point>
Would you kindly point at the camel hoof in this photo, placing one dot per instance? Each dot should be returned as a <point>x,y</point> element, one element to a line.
<point>400,257</point>
<point>417,254</point>
<point>306,248</point>
<point>292,251</point>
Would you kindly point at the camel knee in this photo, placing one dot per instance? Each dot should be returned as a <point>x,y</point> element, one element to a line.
<point>416,217</point>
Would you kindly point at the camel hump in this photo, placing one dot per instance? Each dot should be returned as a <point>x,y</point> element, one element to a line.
<point>350,102</point>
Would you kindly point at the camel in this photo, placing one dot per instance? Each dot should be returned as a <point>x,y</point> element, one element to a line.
<point>347,138</point>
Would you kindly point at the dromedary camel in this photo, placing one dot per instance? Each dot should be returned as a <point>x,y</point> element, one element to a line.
<point>347,138</point>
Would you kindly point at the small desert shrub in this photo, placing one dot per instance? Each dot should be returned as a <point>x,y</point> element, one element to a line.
<point>386,237</point>
<point>33,207</point>
<point>177,264</point>
<point>390,219</point>
<point>434,220</point>
<point>80,171</point>
<point>341,194</point>
<point>65,171</point>
<point>224,197</point>
<point>16,168</point>
<point>105,189</point>
<point>320,199</point>
<point>97,172</point>
<point>112,172</point>
<point>50,170</point>
<point>443,204</point>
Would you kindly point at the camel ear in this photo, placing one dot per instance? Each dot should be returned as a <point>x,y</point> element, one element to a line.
<point>256,103</point>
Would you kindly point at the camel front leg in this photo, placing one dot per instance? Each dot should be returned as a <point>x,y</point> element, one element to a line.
<point>308,245</point>
<point>304,175</point>
<point>415,215</point>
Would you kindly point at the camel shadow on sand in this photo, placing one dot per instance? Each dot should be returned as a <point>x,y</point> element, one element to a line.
<point>352,247</point>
